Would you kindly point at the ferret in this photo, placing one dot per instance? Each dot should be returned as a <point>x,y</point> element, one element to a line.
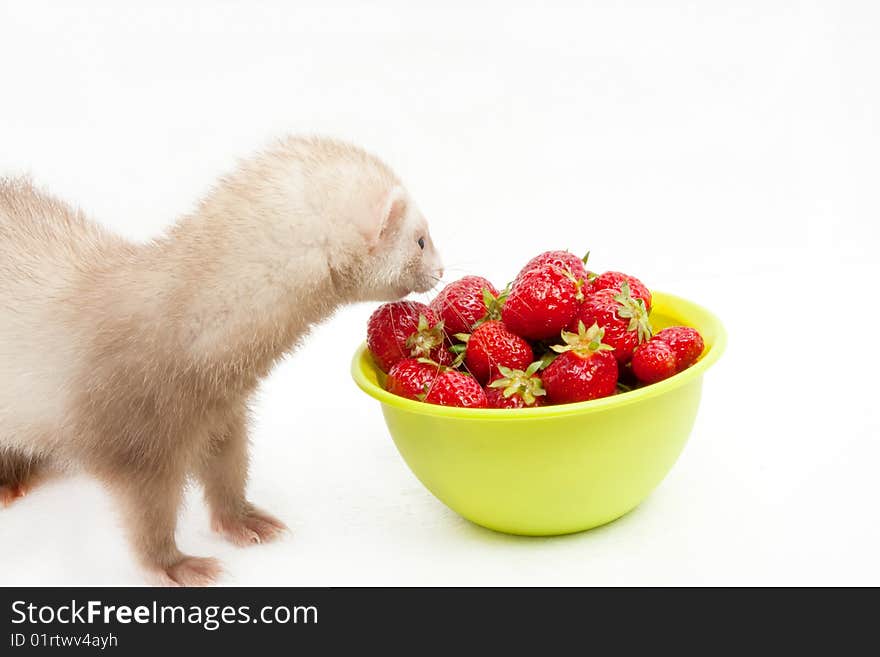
<point>134,363</point>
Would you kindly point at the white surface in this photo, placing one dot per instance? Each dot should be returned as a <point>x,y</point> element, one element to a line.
<point>727,155</point>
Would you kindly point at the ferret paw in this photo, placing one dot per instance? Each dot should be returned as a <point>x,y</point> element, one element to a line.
<point>11,492</point>
<point>251,527</point>
<point>191,571</point>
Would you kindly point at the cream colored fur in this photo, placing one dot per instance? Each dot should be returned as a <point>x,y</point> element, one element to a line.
<point>135,362</point>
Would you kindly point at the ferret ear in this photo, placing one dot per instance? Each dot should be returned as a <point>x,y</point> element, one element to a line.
<point>395,211</point>
<point>392,212</point>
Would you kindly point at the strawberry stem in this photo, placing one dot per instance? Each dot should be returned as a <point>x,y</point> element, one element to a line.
<point>425,339</point>
<point>635,311</point>
<point>585,342</point>
<point>519,382</point>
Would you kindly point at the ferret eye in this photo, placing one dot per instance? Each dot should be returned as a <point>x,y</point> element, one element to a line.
<point>422,243</point>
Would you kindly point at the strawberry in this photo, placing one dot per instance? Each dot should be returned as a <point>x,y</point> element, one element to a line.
<point>584,368</point>
<point>564,260</point>
<point>542,301</point>
<point>405,329</point>
<point>454,388</point>
<point>465,302</point>
<point>686,342</point>
<point>411,377</point>
<point>623,318</point>
<point>492,344</point>
<point>670,351</point>
<point>614,280</point>
<point>653,361</point>
<point>516,388</point>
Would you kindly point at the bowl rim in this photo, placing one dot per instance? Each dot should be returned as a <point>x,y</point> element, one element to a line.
<point>577,408</point>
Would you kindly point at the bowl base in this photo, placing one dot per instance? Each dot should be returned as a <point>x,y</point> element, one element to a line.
<point>551,534</point>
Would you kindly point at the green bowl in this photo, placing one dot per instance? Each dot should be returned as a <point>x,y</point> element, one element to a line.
<point>554,469</point>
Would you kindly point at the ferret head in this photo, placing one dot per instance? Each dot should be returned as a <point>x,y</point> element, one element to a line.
<point>321,203</point>
<point>382,248</point>
<point>398,255</point>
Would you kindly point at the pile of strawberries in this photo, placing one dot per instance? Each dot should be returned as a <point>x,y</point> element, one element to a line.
<point>557,334</point>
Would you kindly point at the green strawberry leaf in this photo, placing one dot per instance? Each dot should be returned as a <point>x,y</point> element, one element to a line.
<point>493,305</point>
<point>519,382</point>
<point>584,342</point>
<point>546,359</point>
<point>635,310</point>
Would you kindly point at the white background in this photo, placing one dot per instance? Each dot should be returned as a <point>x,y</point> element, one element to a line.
<point>727,154</point>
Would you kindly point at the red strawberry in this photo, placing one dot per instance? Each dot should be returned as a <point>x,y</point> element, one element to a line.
<point>624,319</point>
<point>516,388</point>
<point>614,279</point>
<point>670,351</point>
<point>453,388</point>
<point>564,260</point>
<point>653,361</point>
<point>542,302</point>
<point>411,377</point>
<point>465,302</point>
<point>686,342</point>
<point>491,345</point>
<point>405,329</point>
<point>583,370</point>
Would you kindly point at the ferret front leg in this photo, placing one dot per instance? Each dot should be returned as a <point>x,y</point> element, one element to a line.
<point>19,473</point>
<point>223,473</point>
<point>150,504</point>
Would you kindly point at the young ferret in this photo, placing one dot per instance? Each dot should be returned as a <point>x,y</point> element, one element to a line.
<point>135,363</point>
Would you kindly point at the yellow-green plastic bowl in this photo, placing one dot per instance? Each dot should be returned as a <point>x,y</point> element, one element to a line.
<point>554,469</point>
